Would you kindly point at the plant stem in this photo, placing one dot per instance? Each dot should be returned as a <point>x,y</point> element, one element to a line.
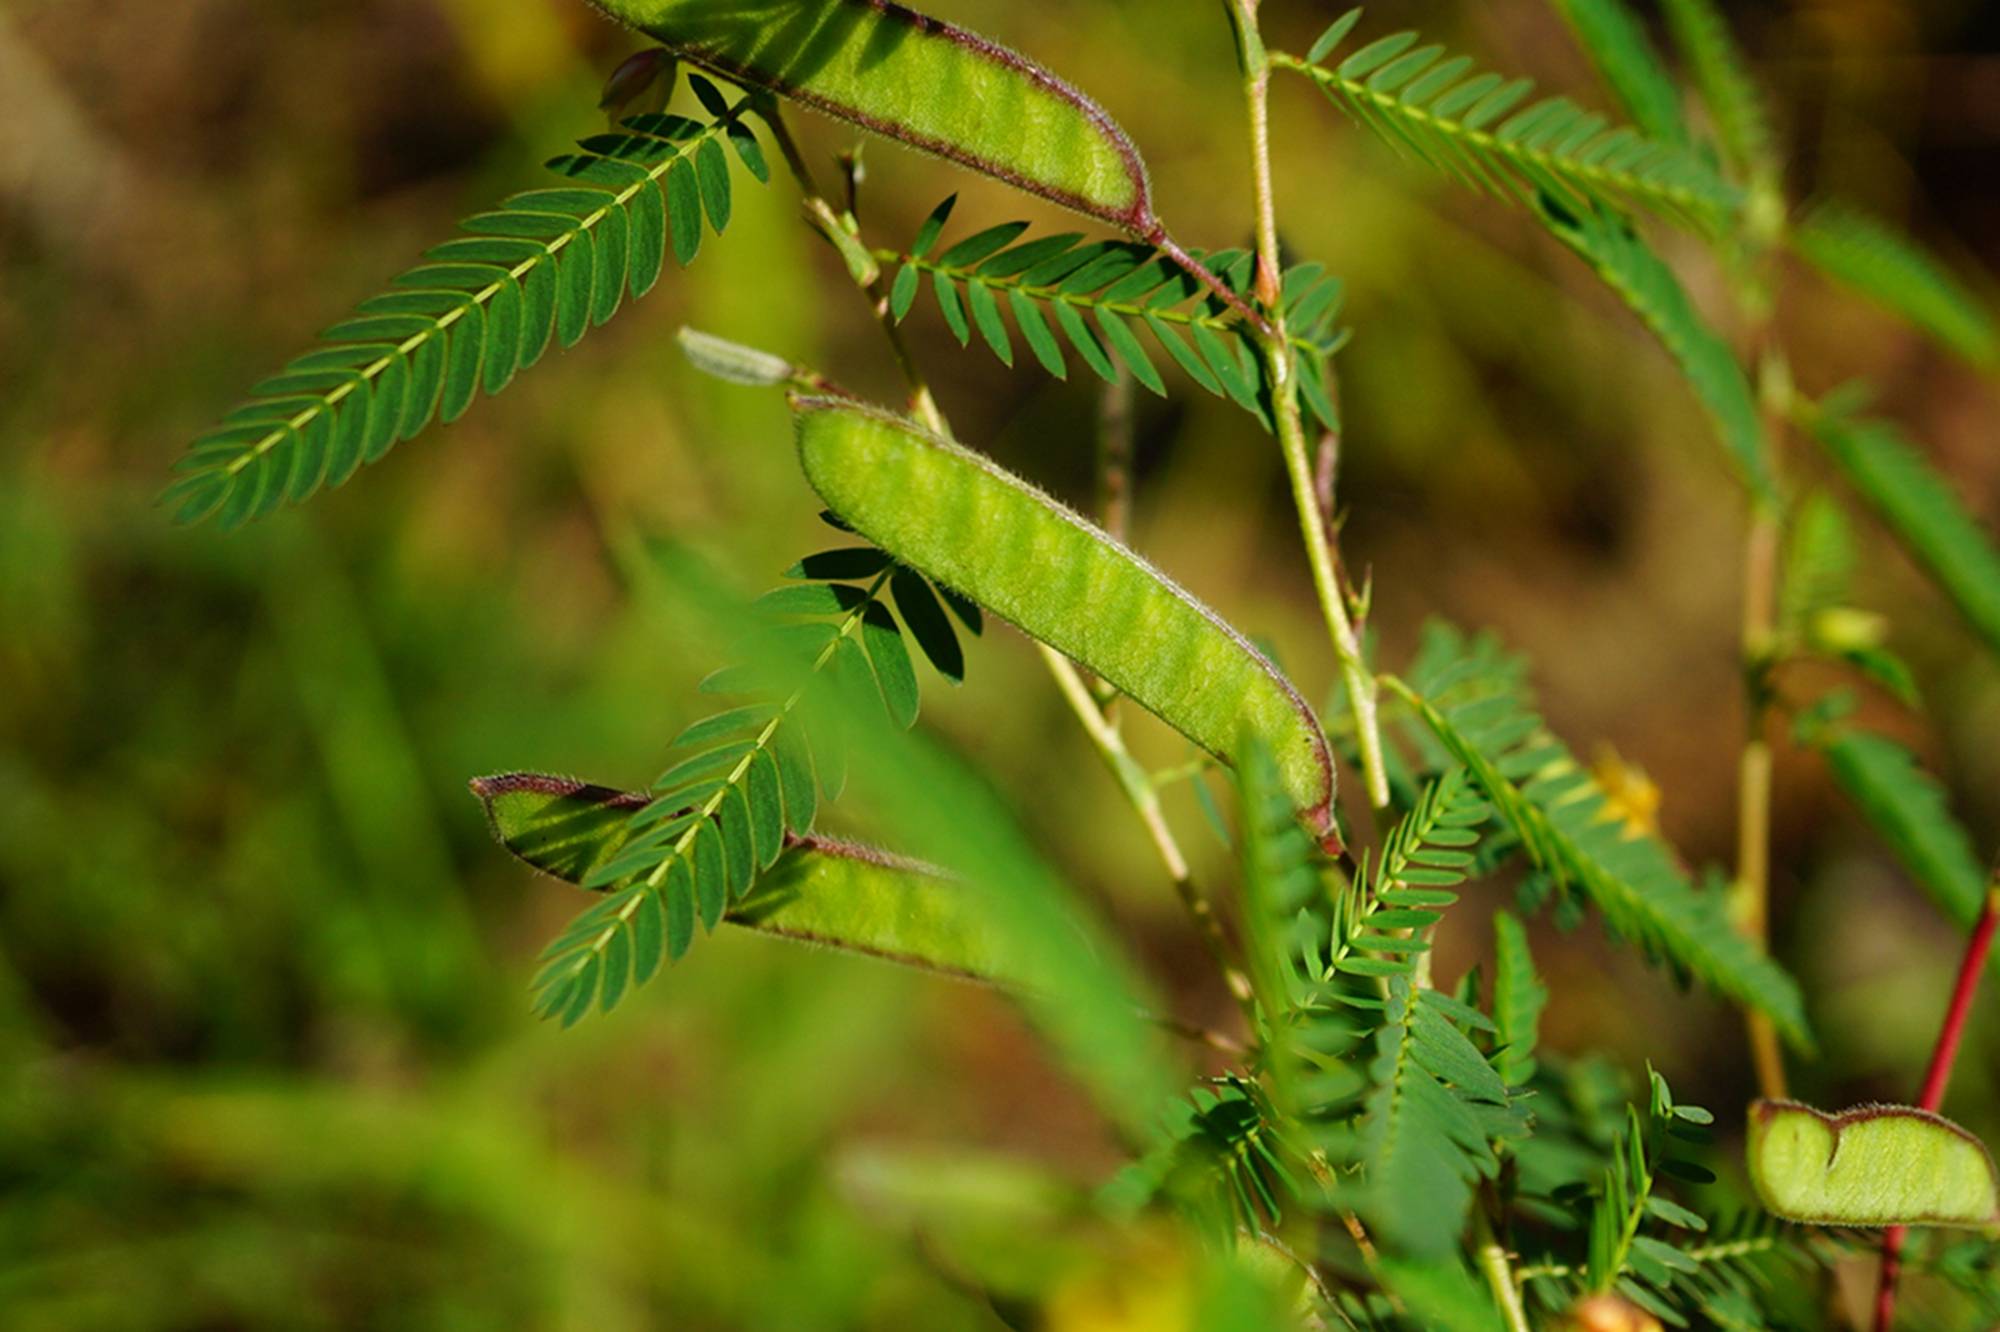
<point>1214,1040</point>
<point>1145,800</point>
<point>1299,468</point>
<point>1499,1275</point>
<point>1700,1253</point>
<point>1943,1055</point>
<point>839,229</point>
<point>1750,905</point>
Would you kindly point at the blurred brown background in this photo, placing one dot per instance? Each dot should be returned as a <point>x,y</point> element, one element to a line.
<point>264,1051</point>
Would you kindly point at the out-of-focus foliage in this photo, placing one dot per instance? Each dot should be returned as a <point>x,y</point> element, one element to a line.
<point>264,1054</point>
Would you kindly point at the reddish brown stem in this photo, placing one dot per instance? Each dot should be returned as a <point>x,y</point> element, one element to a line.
<point>1939,1074</point>
<point>1201,273</point>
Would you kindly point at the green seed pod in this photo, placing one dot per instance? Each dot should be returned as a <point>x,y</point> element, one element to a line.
<point>1876,1165</point>
<point>921,82</point>
<point>820,891</point>
<point>975,528</point>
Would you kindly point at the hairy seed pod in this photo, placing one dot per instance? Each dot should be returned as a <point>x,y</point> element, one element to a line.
<point>1875,1165</point>
<point>919,81</point>
<point>992,537</point>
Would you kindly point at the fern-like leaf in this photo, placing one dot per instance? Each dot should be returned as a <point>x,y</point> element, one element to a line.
<point>1423,1139</point>
<point>1819,562</point>
<point>1225,1161</point>
<point>1518,999</point>
<point>1734,103</point>
<point>1617,43</point>
<point>739,782</point>
<point>1421,102</point>
<point>1382,921</point>
<point>1642,1245</point>
<point>1614,251</point>
<point>543,267</point>
<point>1713,1270</point>
<point>1280,886</point>
<point>1907,807</point>
<point>1894,271</point>
<point>1093,298</point>
<point>822,892</point>
<point>1921,509</point>
<point>1551,803</point>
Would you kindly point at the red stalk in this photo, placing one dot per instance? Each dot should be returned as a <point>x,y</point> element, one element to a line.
<point>1942,1058</point>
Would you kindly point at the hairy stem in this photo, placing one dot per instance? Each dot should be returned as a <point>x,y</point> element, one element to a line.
<point>1750,895</point>
<point>839,229</point>
<point>1201,273</point>
<point>1145,801</point>
<point>1493,1265</point>
<point>1943,1056</point>
<point>1326,475</point>
<point>1299,465</point>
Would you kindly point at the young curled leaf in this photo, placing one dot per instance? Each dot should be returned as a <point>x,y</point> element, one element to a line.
<point>1875,1165</point>
<point>733,362</point>
<point>643,83</point>
<point>972,527</point>
<point>921,82</point>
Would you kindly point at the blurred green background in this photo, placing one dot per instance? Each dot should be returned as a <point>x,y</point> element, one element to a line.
<point>265,1056</point>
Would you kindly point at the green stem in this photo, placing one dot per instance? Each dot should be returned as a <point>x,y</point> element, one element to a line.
<point>1144,798</point>
<point>1499,1274</point>
<point>840,231</point>
<point>1299,469</point>
<point>1700,1253</point>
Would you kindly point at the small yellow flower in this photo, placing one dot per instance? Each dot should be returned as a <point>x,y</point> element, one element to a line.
<point>1630,796</point>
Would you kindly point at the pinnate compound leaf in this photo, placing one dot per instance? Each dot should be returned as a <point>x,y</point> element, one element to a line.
<point>1423,1143</point>
<point>1617,43</point>
<point>1614,251</point>
<point>1735,104</point>
<point>1894,271</point>
<point>1553,805</point>
<point>820,891</point>
<point>1906,806</point>
<point>1518,999</point>
<point>921,82</point>
<point>1876,1165</point>
<point>1110,610</point>
<point>1923,512</point>
<point>1468,127</point>
<point>716,819</point>
<point>544,266</point>
<point>1091,297</point>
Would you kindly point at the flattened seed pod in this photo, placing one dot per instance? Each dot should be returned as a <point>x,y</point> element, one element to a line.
<point>1876,1165</point>
<point>956,517</point>
<point>920,81</point>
